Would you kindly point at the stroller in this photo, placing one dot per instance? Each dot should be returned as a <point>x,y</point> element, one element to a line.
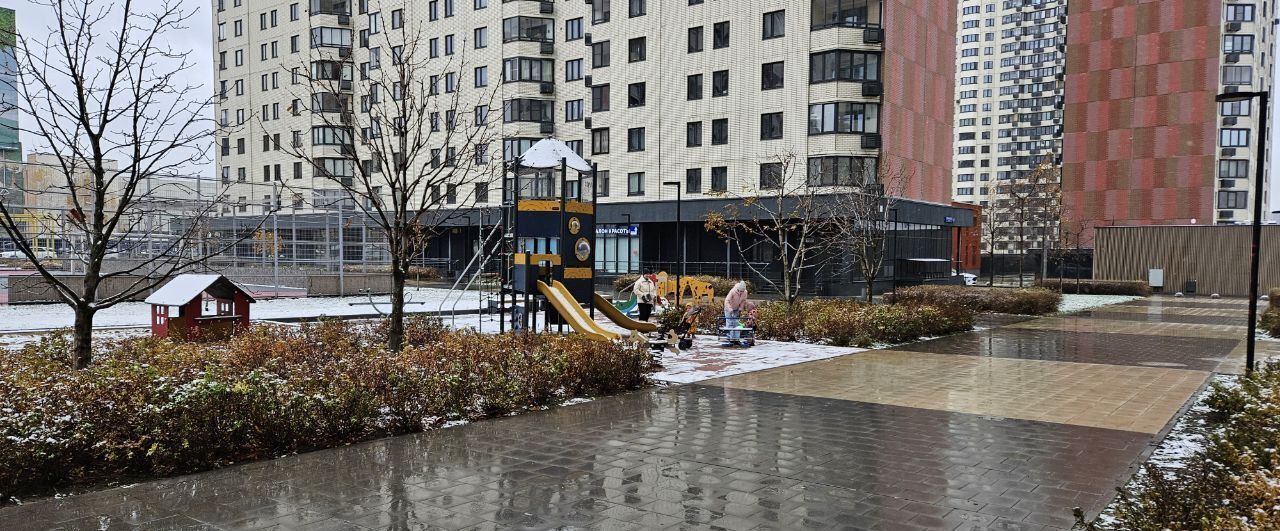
<point>682,335</point>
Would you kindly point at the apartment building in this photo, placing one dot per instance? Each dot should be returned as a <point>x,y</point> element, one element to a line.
<point>1121,94</point>
<point>709,93</point>
<point>10,143</point>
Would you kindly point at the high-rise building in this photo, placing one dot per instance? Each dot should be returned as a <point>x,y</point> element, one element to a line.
<point>705,93</point>
<point>1120,94</point>
<point>716,86</point>
<point>1145,141</point>
<point>1009,94</point>
<point>10,143</point>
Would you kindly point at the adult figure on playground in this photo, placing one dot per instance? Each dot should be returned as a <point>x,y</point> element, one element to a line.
<point>734,304</point>
<point>646,292</point>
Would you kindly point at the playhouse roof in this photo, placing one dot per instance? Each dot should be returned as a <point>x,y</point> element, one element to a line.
<point>185,288</point>
<point>548,153</point>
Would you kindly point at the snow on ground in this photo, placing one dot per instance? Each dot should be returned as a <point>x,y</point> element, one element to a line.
<point>38,317</point>
<point>707,359</point>
<point>1077,303</point>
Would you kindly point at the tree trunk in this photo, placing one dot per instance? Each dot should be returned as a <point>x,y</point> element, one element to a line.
<point>395,332</point>
<point>871,285</point>
<point>83,336</point>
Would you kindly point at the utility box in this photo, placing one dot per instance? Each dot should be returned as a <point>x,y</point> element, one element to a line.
<point>1155,277</point>
<point>1189,288</point>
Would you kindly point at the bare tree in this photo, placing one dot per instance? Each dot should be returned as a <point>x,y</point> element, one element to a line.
<point>406,155</point>
<point>1029,200</point>
<point>104,86</point>
<point>782,221</point>
<point>861,217</point>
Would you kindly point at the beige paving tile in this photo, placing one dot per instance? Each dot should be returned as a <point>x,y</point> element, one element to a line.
<point>1140,399</point>
<point>1170,310</point>
<point>1105,326</point>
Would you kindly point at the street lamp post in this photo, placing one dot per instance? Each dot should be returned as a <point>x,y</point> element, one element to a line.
<point>679,237</point>
<point>1260,177</point>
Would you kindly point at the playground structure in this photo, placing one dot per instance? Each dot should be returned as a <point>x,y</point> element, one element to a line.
<point>549,243</point>
<point>189,294</point>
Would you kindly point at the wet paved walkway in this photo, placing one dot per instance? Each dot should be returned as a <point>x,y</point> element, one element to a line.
<point>1004,428</point>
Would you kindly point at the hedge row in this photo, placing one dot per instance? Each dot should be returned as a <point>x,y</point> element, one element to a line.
<point>152,407</point>
<point>415,272</point>
<point>846,322</point>
<point>1031,301</point>
<point>1232,482</point>
<point>1138,288</point>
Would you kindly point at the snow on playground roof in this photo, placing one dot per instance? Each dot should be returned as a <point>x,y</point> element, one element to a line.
<point>183,288</point>
<point>548,153</point>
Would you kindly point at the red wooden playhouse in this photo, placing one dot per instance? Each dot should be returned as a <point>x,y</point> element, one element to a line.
<point>189,295</point>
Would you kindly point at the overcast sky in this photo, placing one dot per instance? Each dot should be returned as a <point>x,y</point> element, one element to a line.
<point>198,37</point>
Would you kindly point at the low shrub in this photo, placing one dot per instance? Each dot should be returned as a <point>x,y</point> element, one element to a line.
<point>1136,288</point>
<point>1232,482</point>
<point>421,273</point>
<point>150,407</point>
<point>1273,296</point>
<point>1270,321</point>
<point>845,322</point>
<point>1028,301</point>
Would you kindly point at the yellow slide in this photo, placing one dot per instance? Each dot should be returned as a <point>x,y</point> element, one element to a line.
<point>568,308</point>
<point>621,319</point>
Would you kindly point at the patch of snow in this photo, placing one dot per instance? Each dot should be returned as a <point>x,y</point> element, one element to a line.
<point>576,401</point>
<point>707,359</point>
<point>1078,303</point>
<point>43,317</point>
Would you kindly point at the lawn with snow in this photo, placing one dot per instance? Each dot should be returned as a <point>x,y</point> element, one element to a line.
<point>1079,303</point>
<point>707,359</point>
<point>38,317</point>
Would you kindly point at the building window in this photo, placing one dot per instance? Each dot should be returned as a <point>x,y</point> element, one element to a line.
<point>1237,108</point>
<point>600,11</point>
<point>771,176</point>
<point>1239,12</point>
<point>720,83</point>
<point>635,183</point>
<point>771,126</point>
<point>846,13</point>
<point>841,171</point>
<point>528,29</point>
<point>1233,169</point>
<point>1237,75</point>
<point>602,183</point>
<point>635,139</point>
<point>775,24</point>
<point>1233,199</point>
<point>600,54</point>
<point>693,181</point>
<point>720,35</point>
<point>600,98</point>
<point>636,50</point>
<point>964,191</point>
<point>518,69</point>
<point>719,131</point>
<point>636,95</point>
<point>771,76</point>
<point>720,179</point>
<point>600,141</point>
<point>695,40</point>
<point>573,29</point>
<point>573,111</point>
<point>481,37</point>
<point>482,76</point>
<point>694,87</point>
<point>573,70</point>
<point>693,134</point>
<point>844,65</point>
<point>636,8</point>
<point>845,117</point>
<point>1234,138</point>
<point>1237,44</point>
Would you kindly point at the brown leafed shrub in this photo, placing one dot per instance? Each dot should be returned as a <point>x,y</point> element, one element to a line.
<point>846,322</point>
<point>415,272</point>
<point>1138,288</point>
<point>150,407</point>
<point>1029,301</point>
<point>1232,482</point>
<point>1270,321</point>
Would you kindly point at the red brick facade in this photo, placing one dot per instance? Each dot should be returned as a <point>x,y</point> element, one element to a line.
<point>919,94</point>
<point>1140,118</point>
